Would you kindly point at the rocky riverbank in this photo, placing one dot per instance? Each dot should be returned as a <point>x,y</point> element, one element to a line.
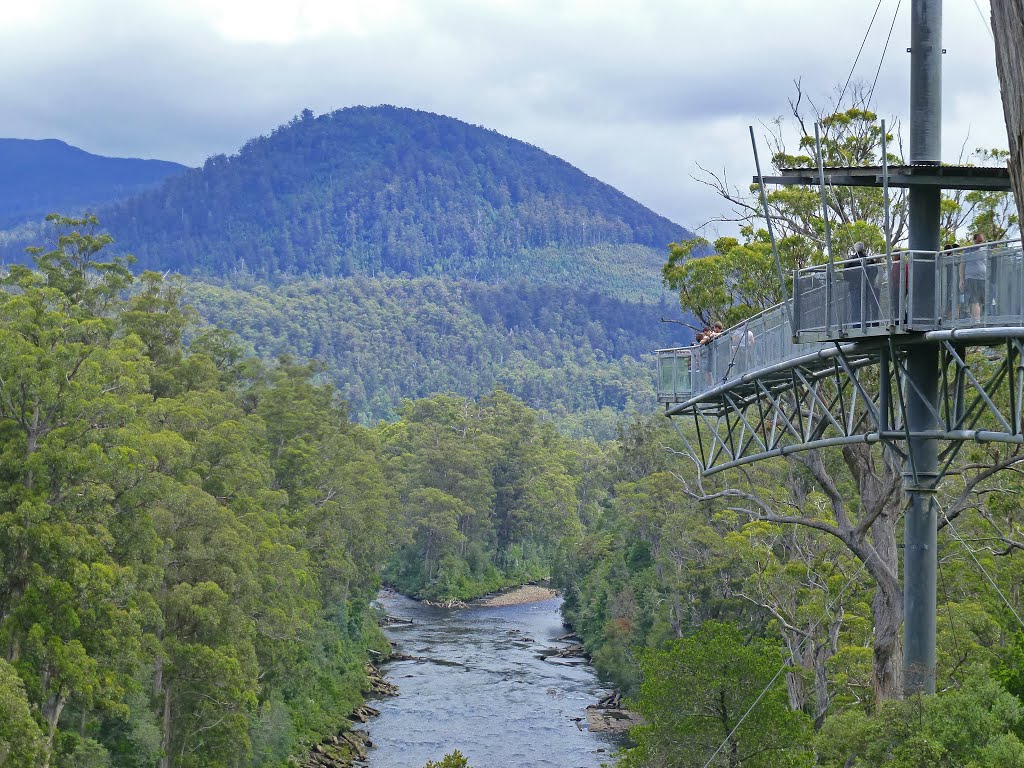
<point>608,716</point>
<point>350,746</point>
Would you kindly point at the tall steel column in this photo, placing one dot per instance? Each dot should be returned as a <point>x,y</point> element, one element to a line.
<point>921,472</point>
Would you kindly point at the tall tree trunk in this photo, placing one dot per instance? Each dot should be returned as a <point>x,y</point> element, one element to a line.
<point>887,660</point>
<point>165,742</point>
<point>879,483</point>
<point>52,711</point>
<point>1008,32</point>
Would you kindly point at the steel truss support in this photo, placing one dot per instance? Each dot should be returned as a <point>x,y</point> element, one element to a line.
<point>860,394</point>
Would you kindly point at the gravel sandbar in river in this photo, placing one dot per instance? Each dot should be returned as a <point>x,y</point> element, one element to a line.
<point>518,596</point>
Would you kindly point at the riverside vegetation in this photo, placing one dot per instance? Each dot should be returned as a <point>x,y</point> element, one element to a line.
<point>191,537</point>
<point>697,595</point>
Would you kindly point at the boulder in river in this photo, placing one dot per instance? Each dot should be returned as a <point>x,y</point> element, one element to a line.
<point>611,720</point>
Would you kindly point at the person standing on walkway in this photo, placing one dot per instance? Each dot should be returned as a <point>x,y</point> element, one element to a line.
<point>854,274</point>
<point>973,274</point>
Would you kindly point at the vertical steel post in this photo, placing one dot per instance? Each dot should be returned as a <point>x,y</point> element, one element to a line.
<point>771,237</point>
<point>885,284</point>
<point>830,270</point>
<point>921,475</point>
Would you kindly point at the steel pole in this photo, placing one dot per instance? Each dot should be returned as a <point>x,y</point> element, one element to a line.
<point>921,474</point>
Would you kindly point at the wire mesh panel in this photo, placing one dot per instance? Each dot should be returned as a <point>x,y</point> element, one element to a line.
<point>853,298</point>
<point>674,375</point>
<point>981,285</point>
<point>869,296</point>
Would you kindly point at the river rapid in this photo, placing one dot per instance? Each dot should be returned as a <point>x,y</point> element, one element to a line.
<point>482,685</point>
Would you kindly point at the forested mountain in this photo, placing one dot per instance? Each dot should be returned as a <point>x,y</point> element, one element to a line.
<point>388,191</point>
<point>567,351</point>
<point>412,254</point>
<point>38,177</point>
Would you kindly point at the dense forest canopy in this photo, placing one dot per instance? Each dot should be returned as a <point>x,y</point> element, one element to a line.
<point>190,538</point>
<point>380,191</point>
<point>578,354</point>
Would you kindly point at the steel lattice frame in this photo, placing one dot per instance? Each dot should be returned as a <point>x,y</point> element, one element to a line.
<point>857,393</point>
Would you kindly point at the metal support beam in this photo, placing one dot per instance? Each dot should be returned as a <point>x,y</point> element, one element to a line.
<point>922,362</point>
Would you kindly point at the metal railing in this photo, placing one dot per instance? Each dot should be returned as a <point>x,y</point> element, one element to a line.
<point>858,298</point>
<point>992,291</point>
<point>757,342</point>
<point>674,381</point>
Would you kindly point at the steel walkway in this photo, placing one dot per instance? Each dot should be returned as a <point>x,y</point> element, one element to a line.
<point>762,390</point>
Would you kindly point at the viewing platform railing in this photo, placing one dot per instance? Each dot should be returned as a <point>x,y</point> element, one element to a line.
<point>857,299</point>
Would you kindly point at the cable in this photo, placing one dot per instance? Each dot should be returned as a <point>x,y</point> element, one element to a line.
<point>949,611</point>
<point>982,567</point>
<point>785,665</point>
<point>860,50</point>
<point>884,50</point>
<point>981,14</point>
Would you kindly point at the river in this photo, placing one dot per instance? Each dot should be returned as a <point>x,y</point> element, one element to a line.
<point>481,685</point>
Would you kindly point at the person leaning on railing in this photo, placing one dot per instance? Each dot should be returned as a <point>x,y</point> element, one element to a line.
<point>973,273</point>
<point>742,345</point>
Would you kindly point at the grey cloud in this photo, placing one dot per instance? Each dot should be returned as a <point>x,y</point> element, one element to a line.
<point>634,94</point>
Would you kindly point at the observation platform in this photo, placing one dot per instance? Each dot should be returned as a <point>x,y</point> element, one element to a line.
<point>837,374</point>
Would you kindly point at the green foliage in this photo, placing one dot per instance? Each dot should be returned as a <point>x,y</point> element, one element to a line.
<point>970,727</point>
<point>487,491</point>
<point>452,760</point>
<point>20,737</point>
<point>655,566</point>
<point>695,692</point>
<point>381,341</point>
<point>189,539</point>
<point>733,282</point>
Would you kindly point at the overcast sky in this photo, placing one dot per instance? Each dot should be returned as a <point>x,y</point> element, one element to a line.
<point>634,92</point>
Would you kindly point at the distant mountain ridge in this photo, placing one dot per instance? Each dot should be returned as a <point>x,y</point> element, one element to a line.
<point>41,176</point>
<point>385,191</point>
<point>411,254</point>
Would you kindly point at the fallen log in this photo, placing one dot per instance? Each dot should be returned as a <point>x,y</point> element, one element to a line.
<point>394,620</point>
<point>611,701</point>
<point>453,603</point>
<point>399,656</point>
<point>574,651</point>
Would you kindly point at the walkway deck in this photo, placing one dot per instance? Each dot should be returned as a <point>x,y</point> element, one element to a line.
<point>856,301</point>
<point>761,390</point>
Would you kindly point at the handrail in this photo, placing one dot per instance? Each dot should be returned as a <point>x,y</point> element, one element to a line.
<point>923,303</point>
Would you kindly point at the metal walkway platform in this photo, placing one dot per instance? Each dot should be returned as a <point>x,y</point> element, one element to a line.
<point>764,389</point>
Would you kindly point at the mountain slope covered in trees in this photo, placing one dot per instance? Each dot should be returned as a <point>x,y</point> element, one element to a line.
<point>42,176</point>
<point>413,254</point>
<point>567,351</point>
<point>388,191</point>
